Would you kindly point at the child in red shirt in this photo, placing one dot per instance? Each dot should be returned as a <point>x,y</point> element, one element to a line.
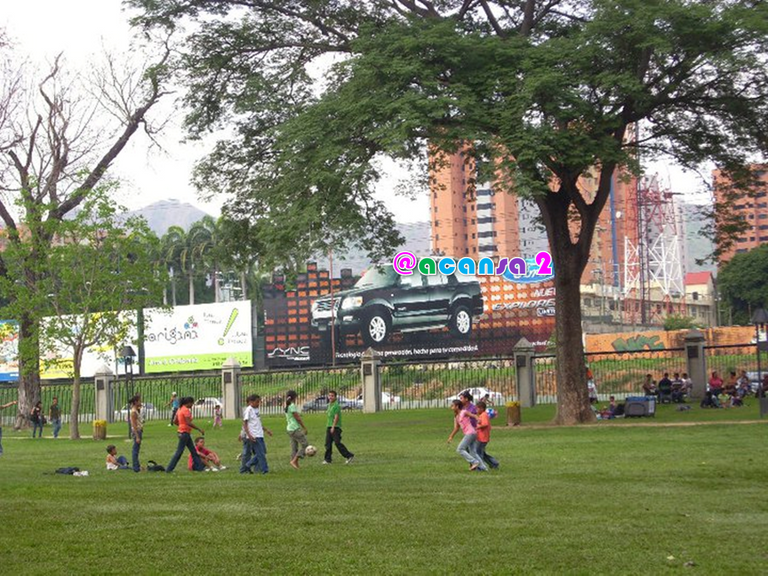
<point>209,458</point>
<point>484,435</point>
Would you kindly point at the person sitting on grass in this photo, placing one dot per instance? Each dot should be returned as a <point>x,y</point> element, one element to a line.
<point>115,462</point>
<point>677,389</point>
<point>711,400</point>
<point>208,457</point>
<point>665,388</point>
<point>743,388</point>
<point>730,386</point>
<point>716,384</point>
<point>610,411</point>
<point>649,386</point>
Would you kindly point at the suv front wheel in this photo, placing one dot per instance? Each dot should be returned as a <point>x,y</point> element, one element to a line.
<point>461,322</point>
<point>376,328</point>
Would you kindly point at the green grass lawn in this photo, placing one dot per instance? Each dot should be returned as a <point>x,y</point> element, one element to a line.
<point>610,498</point>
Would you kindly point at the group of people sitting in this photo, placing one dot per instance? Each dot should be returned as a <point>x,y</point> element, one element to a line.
<point>730,393</point>
<point>668,389</point>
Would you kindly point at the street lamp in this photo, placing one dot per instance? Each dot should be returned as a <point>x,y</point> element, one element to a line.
<point>759,319</point>
<point>128,355</point>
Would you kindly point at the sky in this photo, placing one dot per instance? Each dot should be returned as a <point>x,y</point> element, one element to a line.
<point>80,28</point>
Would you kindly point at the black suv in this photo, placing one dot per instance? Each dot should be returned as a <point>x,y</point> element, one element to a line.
<point>383,301</point>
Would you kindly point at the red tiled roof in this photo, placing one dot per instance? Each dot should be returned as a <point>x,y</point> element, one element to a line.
<point>694,278</point>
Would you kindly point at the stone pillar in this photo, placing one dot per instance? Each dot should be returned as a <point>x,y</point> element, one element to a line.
<point>230,389</point>
<point>697,362</point>
<point>524,371</point>
<point>105,405</point>
<point>371,380</point>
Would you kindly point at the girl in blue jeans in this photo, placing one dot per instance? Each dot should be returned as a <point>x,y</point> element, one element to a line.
<point>37,419</point>
<point>467,422</point>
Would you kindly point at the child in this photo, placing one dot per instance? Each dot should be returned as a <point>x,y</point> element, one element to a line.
<point>184,418</point>
<point>484,435</point>
<point>465,421</point>
<point>295,428</point>
<point>217,416</point>
<point>115,462</point>
<point>209,458</point>
<point>610,411</point>
<point>254,449</point>
<point>37,419</point>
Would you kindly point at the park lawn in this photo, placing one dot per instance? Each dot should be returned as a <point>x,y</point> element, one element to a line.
<point>609,498</point>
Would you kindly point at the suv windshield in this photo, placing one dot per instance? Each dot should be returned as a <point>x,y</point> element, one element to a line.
<point>378,277</point>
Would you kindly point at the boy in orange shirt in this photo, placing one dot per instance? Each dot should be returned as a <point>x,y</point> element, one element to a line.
<point>484,435</point>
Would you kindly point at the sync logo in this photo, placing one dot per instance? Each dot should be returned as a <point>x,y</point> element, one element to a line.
<point>296,353</point>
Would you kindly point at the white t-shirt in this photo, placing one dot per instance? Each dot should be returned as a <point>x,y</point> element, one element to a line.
<point>251,416</point>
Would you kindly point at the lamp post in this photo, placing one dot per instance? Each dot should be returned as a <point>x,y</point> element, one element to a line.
<point>128,355</point>
<point>759,319</point>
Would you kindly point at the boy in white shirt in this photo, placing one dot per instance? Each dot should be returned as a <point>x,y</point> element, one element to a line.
<point>254,448</point>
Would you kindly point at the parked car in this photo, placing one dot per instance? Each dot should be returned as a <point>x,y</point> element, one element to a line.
<point>148,412</point>
<point>383,302</point>
<point>386,398</point>
<point>320,404</point>
<point>205,406</point>
<point>479,393</point>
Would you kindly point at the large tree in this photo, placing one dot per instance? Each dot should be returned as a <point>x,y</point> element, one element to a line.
<point>539,93</point>
<point>100,270</point>
<point>60,133</point>
<point>743,284</point>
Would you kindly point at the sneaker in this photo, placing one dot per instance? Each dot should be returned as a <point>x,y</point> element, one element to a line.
<point>239,457</point>
<point>214,469</point>
<point>349,460</point>
<point>222,467</point>
<point>326,462</point>
<point>207,469</point>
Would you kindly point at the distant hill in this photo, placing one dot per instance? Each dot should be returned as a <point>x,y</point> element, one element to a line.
<point>163,214</point>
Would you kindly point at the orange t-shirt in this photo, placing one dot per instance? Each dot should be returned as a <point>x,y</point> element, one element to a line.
<point>184,415</point>
<point>483,427</point>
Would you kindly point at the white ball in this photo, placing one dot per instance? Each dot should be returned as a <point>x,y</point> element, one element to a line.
<point>310,450</point>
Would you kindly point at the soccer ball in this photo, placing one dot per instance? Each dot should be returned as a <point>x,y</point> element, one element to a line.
<point>491,413</point>
<point>310,450</point>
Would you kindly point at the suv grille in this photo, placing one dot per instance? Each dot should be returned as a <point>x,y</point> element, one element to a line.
<point>325,305</point>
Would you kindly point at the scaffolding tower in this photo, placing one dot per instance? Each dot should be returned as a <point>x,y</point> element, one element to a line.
<point>654,260</point>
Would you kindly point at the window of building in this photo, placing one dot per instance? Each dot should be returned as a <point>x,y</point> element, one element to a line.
<point>473,236</point>
<point>437,237</point>
<point>751,238</point>
<point>466,250</point>
<point>435,208</point>
<point>465,236</point>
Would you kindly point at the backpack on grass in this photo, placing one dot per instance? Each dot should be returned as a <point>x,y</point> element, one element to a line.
<point>68,470</point>
<point>153,466</point>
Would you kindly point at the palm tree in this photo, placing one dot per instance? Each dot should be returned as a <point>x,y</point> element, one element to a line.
<point>179,257</point>
<point>205,242</point>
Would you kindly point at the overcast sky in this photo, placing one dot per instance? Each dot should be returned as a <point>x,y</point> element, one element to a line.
<point>79,29</point>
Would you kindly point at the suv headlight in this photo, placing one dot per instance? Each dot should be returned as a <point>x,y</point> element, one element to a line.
<point>352,302</point>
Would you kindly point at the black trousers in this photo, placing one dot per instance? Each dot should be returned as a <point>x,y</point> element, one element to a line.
<point>335,438</point>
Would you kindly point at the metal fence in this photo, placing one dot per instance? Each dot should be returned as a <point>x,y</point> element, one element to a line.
<point>405,385</point>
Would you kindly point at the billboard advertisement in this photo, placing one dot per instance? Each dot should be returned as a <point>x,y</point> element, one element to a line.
<point>9,351</point>
<point>414,316</point>
<point>197,337</point>
<point>56,358</point>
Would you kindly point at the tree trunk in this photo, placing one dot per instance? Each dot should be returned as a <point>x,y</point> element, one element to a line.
<point>74,415</point>
<point>192,285</point>
<point>244,290</point>
<point>216,287</point>
<point>572,393</point>
<point>29,370</point>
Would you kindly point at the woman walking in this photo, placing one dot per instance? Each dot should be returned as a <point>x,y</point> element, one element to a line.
<point>467,423</point>
<point>296,429</point>
<point>184,418</point>
<point>137,431</point>
<point>37,419</point>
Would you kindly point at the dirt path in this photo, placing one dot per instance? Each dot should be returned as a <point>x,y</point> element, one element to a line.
<point>644,424</point>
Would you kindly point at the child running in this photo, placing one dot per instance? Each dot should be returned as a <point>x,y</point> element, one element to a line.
<point>217,416</point>
<point>466,422</point>
<point>296,429</point>
<point>484,435</point>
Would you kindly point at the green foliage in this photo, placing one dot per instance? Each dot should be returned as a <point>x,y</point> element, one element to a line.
<point>679,322</point>
<point>743,283</point>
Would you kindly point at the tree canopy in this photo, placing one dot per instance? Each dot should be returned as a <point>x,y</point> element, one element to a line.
<point>538,93</point>
<point>743,283</point>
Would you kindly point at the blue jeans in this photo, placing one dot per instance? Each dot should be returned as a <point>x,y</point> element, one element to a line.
<point>185,441</point>
<point>246,455</point>
<point>136,449</point>
<point>467,451</point>
<point>56,427</point>
<point>259,459</point>
<point>122,462</point>
<point>36,426</point>
<point>1,440</point>
<point>484,456</point>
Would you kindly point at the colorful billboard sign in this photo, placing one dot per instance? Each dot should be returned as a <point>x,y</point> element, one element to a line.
<point>404,317</point>
<point>9,351</point>
<point>199,337</point>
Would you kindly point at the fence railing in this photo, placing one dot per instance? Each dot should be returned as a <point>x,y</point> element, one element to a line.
<point>405,385</point>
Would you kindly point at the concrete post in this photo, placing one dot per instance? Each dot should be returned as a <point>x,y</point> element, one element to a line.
<point>370,378</point>
<point>524,371</point>
<point>697,362</point>
<point>104,380</point>
<point>230,389</point>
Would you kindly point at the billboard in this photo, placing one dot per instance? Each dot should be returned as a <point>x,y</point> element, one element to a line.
<point>56,358</point>
<point>403,317</point>
<point>197,337</point>
<point>9,351</point>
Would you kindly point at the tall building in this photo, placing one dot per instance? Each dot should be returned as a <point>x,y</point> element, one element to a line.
<point>752,207</point>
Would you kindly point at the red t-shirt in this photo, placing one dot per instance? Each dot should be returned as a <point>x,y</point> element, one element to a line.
<point>483,427</point>
<point>200,450</point>
<point>184,416</point>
